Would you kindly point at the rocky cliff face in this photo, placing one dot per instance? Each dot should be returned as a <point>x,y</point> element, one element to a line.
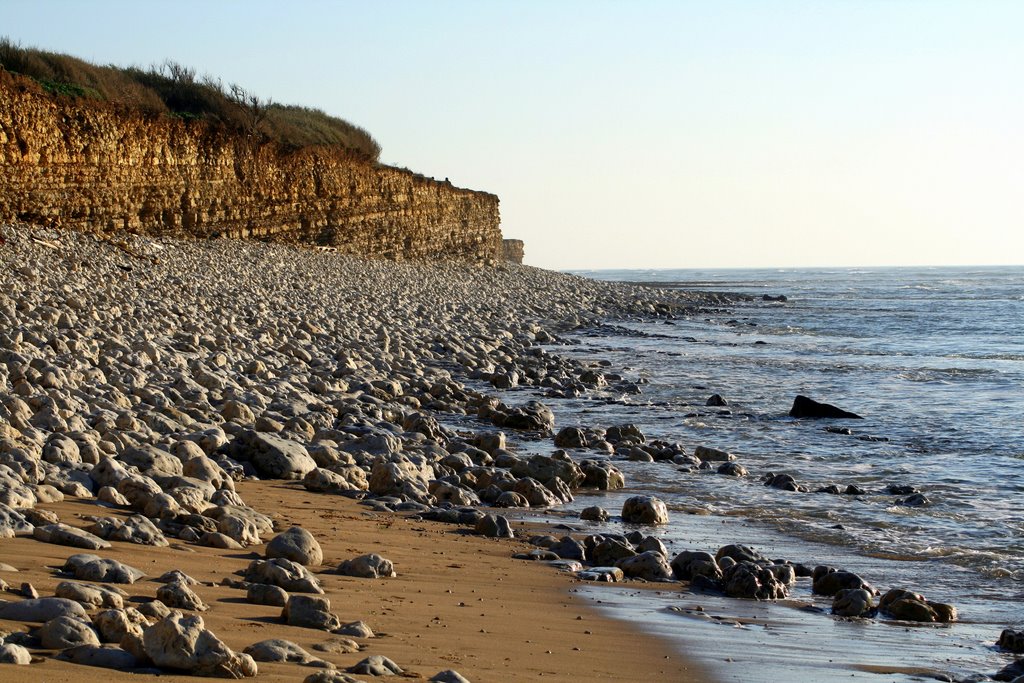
<point>514,250</point>
<point>91,166</point>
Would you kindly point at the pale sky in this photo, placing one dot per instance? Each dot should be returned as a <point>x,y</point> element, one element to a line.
<point>643,134</point>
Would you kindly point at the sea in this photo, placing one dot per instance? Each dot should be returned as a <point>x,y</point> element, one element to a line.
<point>932,359</point>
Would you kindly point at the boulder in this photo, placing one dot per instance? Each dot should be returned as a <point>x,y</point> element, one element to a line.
<point>265,594</point>
<point>298,545</point>
<point>689,563</point>
<point>649,566</point>
<point>804,407</point>
<point>40,610</point>
<point>752,581</point>
<point>273,456</point>
<point>594,513</point>
<point>277,650</point>
<point>602,475</point>
<point>13,522</point>
<point>61,534</point>
<point>177,595</point>
<point>64,632</point>
<point>310,612</point>
<point>135,529</point>
<point>14,654</point>
<point>853,602</point>
<point>1011,640</point>
<point>376,665</point>
<point>291,576</point>
<point>182,642</point>
<point>90,595</point>
<point>831,582</point>
<point>114,624</point>
<point>644,510</point>
<point>103,656</point>
<point>709,454</point>
<point>494,526</point>
<point>369,566</point>
<point>86,567</point>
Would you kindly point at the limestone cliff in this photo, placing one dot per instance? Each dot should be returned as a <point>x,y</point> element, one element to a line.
<point>514,250</point>
<point>88,165</point>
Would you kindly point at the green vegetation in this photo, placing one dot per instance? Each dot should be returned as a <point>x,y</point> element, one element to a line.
<point>171,89</point>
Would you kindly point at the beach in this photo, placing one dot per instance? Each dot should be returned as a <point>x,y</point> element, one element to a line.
<point>160,353</point>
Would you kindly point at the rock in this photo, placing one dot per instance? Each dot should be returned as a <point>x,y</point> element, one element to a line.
<point>916,500</point>
<point>448,676</point>
<point>13,523</point>
<point>689,564</point>
<point>310,612</point>
<point>265,594</point>
<point>732,469</point>
<point>376,665</point>
<point>1011,672</point>
<point>177,595</point>
<point>182,642</point>
<point>739,553</point>
<point>649,566</point>
<point>288,575</point>
<point>343,646</point>
<point>908,606</point>
<point>218,540</point>
<point>135,529</point>
<point>571,437</point>
<point>784,482</point>
<point>14,654</point>
<point>831,582</point>
<point>644,510</point>
<point>602,475</point>
<point>709,454</point>
<point>594,513</point>
<point>494,526</point>
<point>330,677</point>
<point>853,602</point>
<point>602,574</point>
<point>804,407</point>
<point>89,595</point>
<point>369,566</point>
<point>41,610</point>
<point>103,656</point>
<point>716,401</point>
<point>752,581</point>
<point>61,534</point>
<point>64,632</point>
<point>114,624</point>
<point>535,493</point>
<point>277,650</point>
<point>273,456</point>
<point>87,567</point>
<point>1011,640</point>
<point>355,629</point>
<point>569,548</point>
<point>177,576</point>
<point>154,609</point>
<point>610,550</point>
<point>298,545</point>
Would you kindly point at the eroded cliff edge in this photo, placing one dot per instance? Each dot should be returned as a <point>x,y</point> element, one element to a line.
<point>92,166</point>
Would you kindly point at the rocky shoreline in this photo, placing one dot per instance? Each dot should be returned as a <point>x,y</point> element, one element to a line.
<point>151,380</point>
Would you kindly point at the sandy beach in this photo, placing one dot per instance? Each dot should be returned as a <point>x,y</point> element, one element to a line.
<point>131,365</point>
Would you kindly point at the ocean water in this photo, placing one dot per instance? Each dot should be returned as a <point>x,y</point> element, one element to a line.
<point>932,359</point>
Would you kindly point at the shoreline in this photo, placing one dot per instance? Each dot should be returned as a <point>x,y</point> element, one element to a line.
<point>142,345</point>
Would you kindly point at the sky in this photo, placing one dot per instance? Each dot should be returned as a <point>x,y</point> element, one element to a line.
<point>643,134</point>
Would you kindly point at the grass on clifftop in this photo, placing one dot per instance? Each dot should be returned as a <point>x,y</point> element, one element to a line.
<point>174,90</point>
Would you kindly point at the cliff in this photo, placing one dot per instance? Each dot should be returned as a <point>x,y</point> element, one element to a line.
<point>514,250</point>
<point>93,166</point>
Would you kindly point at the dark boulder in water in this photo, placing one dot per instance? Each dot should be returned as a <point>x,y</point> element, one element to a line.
<point>1011,640</point>
<point>804,407</point>
<point>716,400</point>
<point>1010,672</point>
